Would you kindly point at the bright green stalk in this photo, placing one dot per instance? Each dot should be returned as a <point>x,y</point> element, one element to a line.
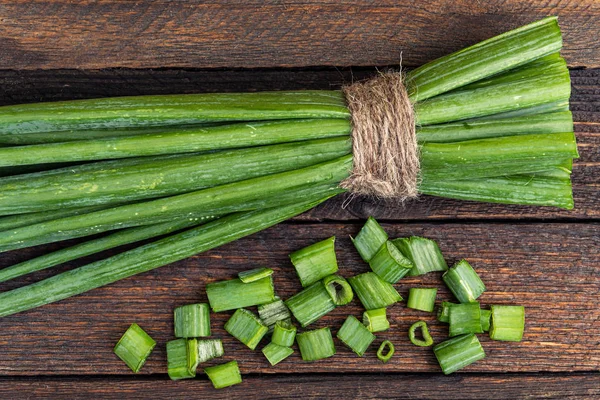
<point>164,110</point>
<point>465,318</point>
<point>316,345</point>
<point>500,53</point>
<point>284,334</point>
<point>339,289</point>
<point>385,351</point>
<point>315,262</point>
<point>421,299</point>
<point>246,327</point>
<point>424,254</point>
<point>147,257</point>
<point>178,365</point>
<point>508,323</point>
<point>250,194</point>
<point>254,274</point>
<point>134,347</point>
<point>376,320</point>
<point>193,357</point>
<point>224,375</point>
<point>458,352</point>
<point>209,349</point>
<point>310,304</point>
<point>463,282</point>
<point>142,178</point>
<point>20,220</point>
<point>389,263</point>
<point>276,353</point>
<point>370,239</point>
<point>373,291</point>
<point>546,108</point>
<point>233,293</point>
<point>192,321</point>
<point>412,334</point>
<point>486,319</point>
<point>273,312</point>
<point>443,314</point>
<point>355,335</point>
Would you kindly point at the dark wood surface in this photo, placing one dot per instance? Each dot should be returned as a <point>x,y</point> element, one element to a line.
<point>543,258</point>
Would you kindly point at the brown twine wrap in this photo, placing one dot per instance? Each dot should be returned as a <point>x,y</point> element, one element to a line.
<point>384,140</point>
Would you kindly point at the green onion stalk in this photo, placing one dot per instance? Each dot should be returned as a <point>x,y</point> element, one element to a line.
<point>491,124</point>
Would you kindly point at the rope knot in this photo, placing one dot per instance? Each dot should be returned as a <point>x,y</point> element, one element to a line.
<point>384,139</point>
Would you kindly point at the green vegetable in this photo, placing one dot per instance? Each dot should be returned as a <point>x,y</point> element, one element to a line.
<point>271,313</point>
<point>315,262</point>
<point>224,375</point>
<point>339,290</point>
<point>370,239</point>
<point>463,281</point>
<point>412,334</point>
<point>465,318</point>
<point>179,364</point>
<point>443,314</point>
<point>486,319</point>
<point>376,320</point>
<point>276,353</point>
<point>458,352</point>
<point>209,349</point>
<point>192,321</point>
<point>254,274</point>
<point>355,335</point>
<point>134,347</point>
<point>422,299</point>
<point>389,263</point>
<point>508,323</point>
<point>373,292</point>
<point>233,293</point>
<point>424,254</point>
<point>284,334</point>
<point>246,327</point>
<point>310,304</point>
<point>385,351</point>
<point>316,345</point>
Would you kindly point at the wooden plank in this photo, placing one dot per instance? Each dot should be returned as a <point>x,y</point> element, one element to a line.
<point>551,269</point>
<point>463,386</point>
<point>30,86</point>
<point>161,33</point>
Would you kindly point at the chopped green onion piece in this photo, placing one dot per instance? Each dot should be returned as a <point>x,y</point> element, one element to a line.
<point>486,319</point>
<point>370,238</point>
<point>373,291</point>
<point>224,375</point>
<point>412,334</point>
<point>355,335</point>
<point>463,281</point>
<point>192,320</point>
<point>443,314</point>
<point>276,353</point>
<point>339,290</point>
<point>254,274</point>
<point>421,299</point>
<point>381,352</point>
<point>424,254</point>
<point>315,262</point>
<point>316,345</point>
<point>458,352</point>
<point>465,318</point>
<point>508,323</point>
<point>310,304</point>
<point>272,312</point>
<point>193,356</point>
<point>209,349</point>
<point>178,365</point>
<point>389,263</point>
<point>134,347</point>
<point>233,294</point>
<point>284,334</point>
<point>376,320</point>
<point>246,327</point>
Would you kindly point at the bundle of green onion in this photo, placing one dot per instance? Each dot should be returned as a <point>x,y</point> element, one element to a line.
<point>493,125</point>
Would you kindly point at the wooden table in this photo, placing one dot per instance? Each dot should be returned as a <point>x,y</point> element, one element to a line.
<point>543,258</point>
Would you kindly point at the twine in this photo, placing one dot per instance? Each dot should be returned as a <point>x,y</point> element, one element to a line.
<point>384,140</point>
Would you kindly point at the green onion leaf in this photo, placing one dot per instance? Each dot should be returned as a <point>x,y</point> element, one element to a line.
<point>389,263</point>
<point>276,353</point>
<point>339,290</point>
<point>192,320</point>
<point>421,299</point>
<point>178,362</point>
<point>233,294</point>
<point>134,347</point>
<point>254,274</point>
<point>355,335</point>
<point>412,334</point>
<point>508,323</point>
<point>193,356</point>
<point>370,238</point>
<point>385,351</point>
<point>284,334</point>
<point>486,319</point>
<point>315,262</point>
<point>443,314</point>
<point>209,349</point>
<point>272,312</point>
<point>465,318</point>
<point>224,375</point>
<point>376,320</point>
<point>463,281</point>
<point>373,291</point>
<point>424,254</point>
<point>246,327</point>
<point>310,304</point>
<point>458,352</point>
<point>316,345</point>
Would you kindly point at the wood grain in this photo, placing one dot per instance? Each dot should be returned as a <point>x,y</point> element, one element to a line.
<point>551,269</point>
<point>86,34</point>
<point>466,387</point>
<point>31,86</point>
